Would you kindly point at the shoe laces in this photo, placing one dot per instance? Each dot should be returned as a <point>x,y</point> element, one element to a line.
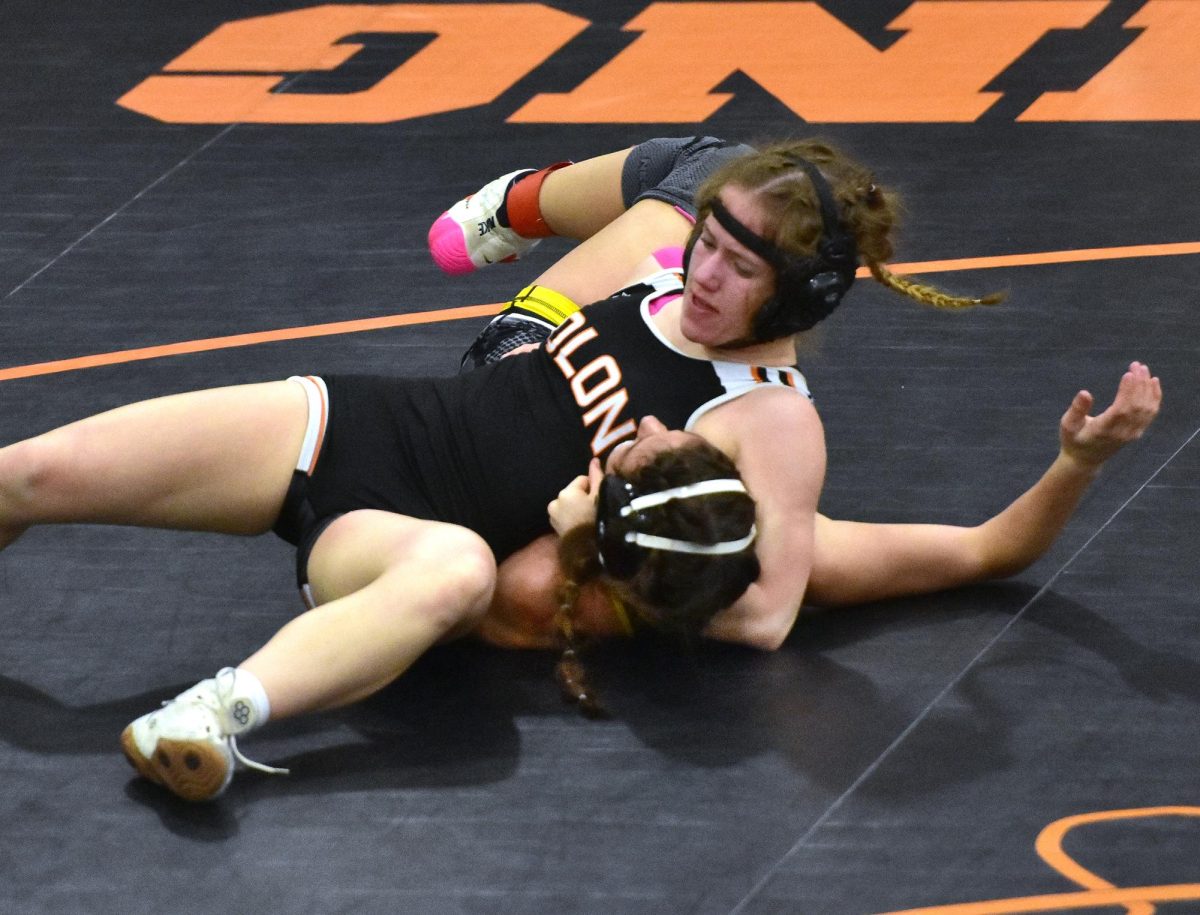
<point>222,692</point>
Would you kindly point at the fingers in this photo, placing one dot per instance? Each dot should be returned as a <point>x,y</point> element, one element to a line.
<point>1094,439</point>
<point>1138,399</point>
<point>595,475</point>
<point>1077,413</point>
<point>1144,390</point>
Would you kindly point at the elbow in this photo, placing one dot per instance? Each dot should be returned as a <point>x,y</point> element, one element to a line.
<point>771,640</point>
<point>998,557</point>
<point>990,555</point>
<point>765,635</point>
<point>748,632</point>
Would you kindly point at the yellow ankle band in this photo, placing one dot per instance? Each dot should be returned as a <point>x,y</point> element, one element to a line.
<point>545,303</point>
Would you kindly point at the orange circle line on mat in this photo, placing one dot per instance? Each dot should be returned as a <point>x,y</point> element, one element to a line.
<point>1097,892</point>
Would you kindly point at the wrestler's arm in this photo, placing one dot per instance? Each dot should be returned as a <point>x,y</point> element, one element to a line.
<point>858,562</point>
<point>776,439</point>
<point>754,430</point>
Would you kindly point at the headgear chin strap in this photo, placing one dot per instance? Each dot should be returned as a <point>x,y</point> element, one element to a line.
<point>620,512</point>
<point>807,289</point>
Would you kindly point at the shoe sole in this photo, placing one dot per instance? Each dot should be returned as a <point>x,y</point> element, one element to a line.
<point>195,771</point>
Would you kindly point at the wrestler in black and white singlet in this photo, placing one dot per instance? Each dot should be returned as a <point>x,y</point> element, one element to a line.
<point>491,448</point>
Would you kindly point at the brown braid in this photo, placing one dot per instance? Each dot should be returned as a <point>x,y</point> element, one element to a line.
<point>570,673</point>
<point>674,593</point>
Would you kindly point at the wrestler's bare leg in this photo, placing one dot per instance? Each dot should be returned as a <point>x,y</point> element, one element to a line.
<point>581,199</point>
<point>216,460</point>
<point>388,587</point>
<point>610,259</point>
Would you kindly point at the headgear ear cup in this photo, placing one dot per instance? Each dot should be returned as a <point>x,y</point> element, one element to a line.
<point>619,557</point>
<point>623,525</point>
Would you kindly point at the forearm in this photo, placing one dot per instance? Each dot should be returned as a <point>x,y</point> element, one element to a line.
<point>1021,533</point>
<point>858,562</point>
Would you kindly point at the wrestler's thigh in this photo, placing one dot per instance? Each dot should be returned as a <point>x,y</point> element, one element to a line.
<point>218,459</point>
<point>608,260</point>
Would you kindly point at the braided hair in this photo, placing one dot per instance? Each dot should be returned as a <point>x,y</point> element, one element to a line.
<point>867,211</point>
<point>675,593</point>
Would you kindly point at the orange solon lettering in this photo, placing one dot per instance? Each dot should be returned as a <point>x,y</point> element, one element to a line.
<point>1156,78</point>
<point>609,410</point>
<point>563,358</point>
<point>480,50</point>
<point>813,63</point>
<point>573,322</point>
<point>610,377</point>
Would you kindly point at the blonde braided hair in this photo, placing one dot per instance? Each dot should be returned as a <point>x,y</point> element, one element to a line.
<point>926,294</point>
<point>868,211</point>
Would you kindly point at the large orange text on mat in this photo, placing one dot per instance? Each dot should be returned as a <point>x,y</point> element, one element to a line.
<point>945,53</point>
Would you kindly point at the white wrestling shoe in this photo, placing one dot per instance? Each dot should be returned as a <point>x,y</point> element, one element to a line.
<point>469,234</point>
<point>189,746</point>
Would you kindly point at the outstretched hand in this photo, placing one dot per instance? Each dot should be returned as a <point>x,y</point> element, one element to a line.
<point>576,504</point>
<point>1092,440</point>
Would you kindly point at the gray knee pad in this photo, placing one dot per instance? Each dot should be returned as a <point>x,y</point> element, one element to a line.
<point>671,169</point>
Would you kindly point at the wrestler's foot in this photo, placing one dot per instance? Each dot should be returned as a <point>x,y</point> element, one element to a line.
<point>529,319</point>
<point>189,746</point>
<point>474,232</point>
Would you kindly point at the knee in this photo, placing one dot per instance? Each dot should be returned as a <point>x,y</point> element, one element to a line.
<point>464,575</point>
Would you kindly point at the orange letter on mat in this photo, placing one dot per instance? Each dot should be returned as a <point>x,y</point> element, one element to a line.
<point>1157,78</point>
<point>811,61</point>
<point>478,51</point>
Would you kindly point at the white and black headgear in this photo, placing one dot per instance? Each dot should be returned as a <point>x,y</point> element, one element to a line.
<point>622,524</point>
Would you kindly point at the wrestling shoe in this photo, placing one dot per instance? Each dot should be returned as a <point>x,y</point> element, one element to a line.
<point>474,232</point>
<point>189,746</point>
<point>529,318</point>
<point>503,334</point>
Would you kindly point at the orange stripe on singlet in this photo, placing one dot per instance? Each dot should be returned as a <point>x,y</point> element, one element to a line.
<point>324,398</point>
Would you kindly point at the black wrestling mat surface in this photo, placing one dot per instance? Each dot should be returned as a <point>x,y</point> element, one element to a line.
<point>1025,746</point>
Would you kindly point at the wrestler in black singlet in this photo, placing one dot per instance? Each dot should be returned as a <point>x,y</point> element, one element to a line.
<point>491,448</point>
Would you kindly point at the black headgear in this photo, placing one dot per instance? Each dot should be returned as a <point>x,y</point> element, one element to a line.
<point>807,289</point>
<point>621,524</point>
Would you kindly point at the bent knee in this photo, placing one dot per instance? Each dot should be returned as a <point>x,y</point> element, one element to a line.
<point>460,577</point>
<point>469,566</point>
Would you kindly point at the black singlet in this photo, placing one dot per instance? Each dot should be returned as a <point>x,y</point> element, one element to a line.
<point>490,449</point>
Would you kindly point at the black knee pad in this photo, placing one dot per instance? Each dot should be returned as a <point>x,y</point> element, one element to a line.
<point>671,169</point>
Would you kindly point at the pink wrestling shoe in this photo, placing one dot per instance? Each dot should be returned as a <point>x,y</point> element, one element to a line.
<point>470,235</point>
<point>188,746</point>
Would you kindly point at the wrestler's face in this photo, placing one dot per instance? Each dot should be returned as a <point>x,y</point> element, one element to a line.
<point>652,438</point>
<point>727,283</point>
